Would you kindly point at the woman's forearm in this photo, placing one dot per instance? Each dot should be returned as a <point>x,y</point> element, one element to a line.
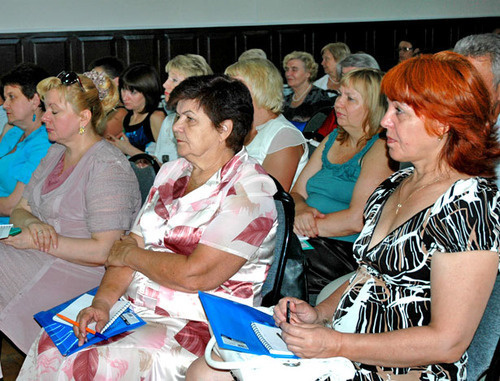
<point>22,218</point>
<point>340,224</point>
<point>114,284</point>
<point>403,348</point>
<point>86,251</point>
<point>8,204</point>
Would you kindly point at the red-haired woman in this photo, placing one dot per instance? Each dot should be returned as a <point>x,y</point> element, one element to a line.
<point>432,229</point>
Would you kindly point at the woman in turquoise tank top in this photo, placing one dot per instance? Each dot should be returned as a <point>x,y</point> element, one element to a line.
<point>344,170</point>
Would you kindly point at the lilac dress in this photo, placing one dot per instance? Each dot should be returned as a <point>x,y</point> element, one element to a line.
<point>233,211</point>
<point>101,194</point>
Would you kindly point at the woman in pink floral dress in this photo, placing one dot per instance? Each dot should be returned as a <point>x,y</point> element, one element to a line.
<point>208,224</point>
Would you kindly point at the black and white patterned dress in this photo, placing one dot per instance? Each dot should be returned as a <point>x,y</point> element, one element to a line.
<point>391,289</point>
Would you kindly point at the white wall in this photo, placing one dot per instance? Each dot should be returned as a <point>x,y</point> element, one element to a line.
<point>77,15</point>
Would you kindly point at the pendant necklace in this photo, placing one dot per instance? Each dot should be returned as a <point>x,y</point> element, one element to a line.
<point>401,203</point>
<point>295,99</point>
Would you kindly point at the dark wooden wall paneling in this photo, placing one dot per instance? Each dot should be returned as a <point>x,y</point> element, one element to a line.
<point>222,46</point>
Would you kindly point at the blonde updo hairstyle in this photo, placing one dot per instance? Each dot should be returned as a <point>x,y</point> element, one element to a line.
<point>309,64</point>
<point>189,65</point>
<point>367,82</point>
<point>85,100</point>
<point>263,80</point>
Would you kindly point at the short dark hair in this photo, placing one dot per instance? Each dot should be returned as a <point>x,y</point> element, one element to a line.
<point>144,79</point>
<point>112,66</point>
<point>26,76</point>
<point>221,98</point>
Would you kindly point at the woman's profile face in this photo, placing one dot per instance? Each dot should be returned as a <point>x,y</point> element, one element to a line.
<point>174,78</point>
<point>329,64</point>
<point>133,100</point>
<point>61,121</point>
<point>350,108</point>
<point>19,109</point>
<point>196,136</point>
<point>295,73</point>
<point>407,138</point>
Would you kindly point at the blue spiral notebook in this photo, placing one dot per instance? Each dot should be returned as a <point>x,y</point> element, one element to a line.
<point>243,328</point>
<point>122,319</point>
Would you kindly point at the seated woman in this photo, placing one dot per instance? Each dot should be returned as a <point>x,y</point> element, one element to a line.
<point>428,253</point>
<point>209,224</point>
<point>178,68</point>
<point>25,144</point>
<point>344,66</point>
<point>331,54</point>
<point>343,171</point>
<point>81,198</point>
<point>140,92</point>
<point>276,144</point>
<point>305,99</point>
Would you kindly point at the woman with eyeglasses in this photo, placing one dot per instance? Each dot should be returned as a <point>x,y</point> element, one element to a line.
<point>81,198</point>
<point>24,145</point>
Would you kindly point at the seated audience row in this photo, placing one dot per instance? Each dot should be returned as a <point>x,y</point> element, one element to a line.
<point>228,133</point>
<point>428,252</point>
<point>174,250</point>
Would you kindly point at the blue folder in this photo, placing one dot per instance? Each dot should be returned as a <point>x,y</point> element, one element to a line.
<point>231,324</point>
<point>63,336</point>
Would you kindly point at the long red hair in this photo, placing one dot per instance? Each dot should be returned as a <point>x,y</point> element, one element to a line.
<point>447,89</point>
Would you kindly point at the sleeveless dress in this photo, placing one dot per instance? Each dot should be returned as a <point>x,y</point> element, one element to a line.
<point>329,191</point>
<point>391,289</point>
<point>140,134</point>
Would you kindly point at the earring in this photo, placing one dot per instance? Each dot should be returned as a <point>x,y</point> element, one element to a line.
<point>440,137</point>
<point>81,131</point>
<point>34,117</point>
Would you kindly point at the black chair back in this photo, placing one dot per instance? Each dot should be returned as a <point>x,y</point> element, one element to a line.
<point>286,277</point>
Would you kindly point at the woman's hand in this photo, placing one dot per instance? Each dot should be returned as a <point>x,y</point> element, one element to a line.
<point>311,340</point>
<point>120,250</point>
<point>98,312</point>
<point>122,142</point>
<point>44,236</point>
<point>305,221</point>
<point>22,241</point>
<point>300,311</point>
<point>36,235</point>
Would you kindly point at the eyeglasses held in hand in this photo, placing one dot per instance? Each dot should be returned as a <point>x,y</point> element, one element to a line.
<point>70,77</point>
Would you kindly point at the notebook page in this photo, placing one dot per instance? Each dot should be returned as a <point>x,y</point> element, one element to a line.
<point>271,338</point>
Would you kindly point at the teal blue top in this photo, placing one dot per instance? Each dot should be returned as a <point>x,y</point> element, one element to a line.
<point>20,164</point>
<point>330,189</point>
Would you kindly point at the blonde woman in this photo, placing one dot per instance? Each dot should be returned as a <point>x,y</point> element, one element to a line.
<point>332,54</point>
<point>343,171</point>
<point>277,145</point>
<point>305,99</point>
<point>82,197</point>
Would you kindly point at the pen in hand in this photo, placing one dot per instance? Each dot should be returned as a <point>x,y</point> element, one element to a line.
<point>77,325</point>
<point>288,311</point>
